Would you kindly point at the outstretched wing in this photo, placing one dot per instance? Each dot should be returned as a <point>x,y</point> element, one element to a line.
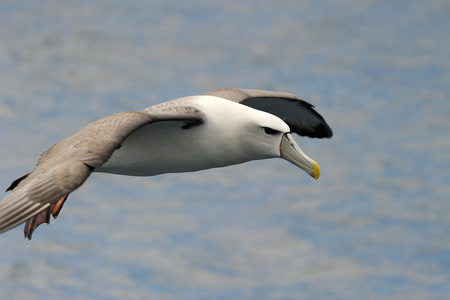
<point>300,115</point>
<point>65,166</point>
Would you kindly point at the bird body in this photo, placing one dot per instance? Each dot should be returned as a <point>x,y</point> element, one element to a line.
<point>173,146</point>
<point>224,127</point>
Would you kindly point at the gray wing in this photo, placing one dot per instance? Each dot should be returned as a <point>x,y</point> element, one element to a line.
<point>65,166</point>
<point>300,115</point>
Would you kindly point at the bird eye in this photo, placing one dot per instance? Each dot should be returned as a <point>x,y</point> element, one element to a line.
<point>268,130</point>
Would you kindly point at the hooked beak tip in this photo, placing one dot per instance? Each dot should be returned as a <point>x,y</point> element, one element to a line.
<point>291,152</point>
<point>315,171</point>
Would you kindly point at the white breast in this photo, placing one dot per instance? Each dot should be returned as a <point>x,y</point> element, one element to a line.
<point>165,147</point>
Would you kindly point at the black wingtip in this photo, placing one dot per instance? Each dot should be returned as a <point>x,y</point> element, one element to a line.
<point>16,182</point>
<point>300,115</point>
<point>325,131</point>
<point>317,130</point>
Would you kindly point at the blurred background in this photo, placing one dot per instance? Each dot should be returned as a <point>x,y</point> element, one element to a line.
<point>375,225</point>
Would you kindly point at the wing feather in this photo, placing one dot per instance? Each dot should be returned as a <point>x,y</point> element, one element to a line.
<point>65,166</point>
<point>300,115</point>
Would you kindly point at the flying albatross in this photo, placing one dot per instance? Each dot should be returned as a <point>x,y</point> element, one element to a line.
<point>223,127</point>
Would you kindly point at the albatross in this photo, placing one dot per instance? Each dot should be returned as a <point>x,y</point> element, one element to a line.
<point>220,128</point>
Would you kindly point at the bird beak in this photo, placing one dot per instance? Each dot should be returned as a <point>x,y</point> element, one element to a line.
<point>290,151</point>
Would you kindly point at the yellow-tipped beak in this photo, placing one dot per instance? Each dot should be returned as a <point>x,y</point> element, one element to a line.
<point>290,151</point>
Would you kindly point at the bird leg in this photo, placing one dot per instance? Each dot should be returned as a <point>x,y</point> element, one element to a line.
<point>56,207</point>
<point>43,217</point>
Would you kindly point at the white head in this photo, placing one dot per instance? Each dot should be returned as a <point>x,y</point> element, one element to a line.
<point>249,134</point>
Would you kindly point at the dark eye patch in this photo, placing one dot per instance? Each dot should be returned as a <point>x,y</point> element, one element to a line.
<point>188,125</point>
<point>269,130</point>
